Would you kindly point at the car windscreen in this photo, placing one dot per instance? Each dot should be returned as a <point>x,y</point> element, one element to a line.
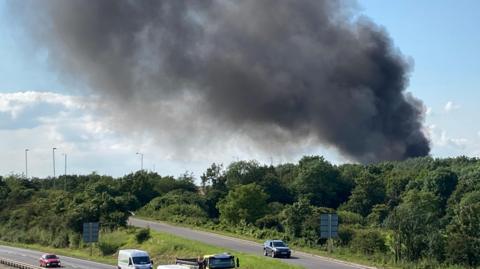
<point>141,260</point>
<point>279,244</point>
<point>50,257</point>
<point>221,263</point>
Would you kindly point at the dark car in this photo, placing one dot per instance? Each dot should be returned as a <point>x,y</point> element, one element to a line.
<point>50,260</point>
<point>276,248</point>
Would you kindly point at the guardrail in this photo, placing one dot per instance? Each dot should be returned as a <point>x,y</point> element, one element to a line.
<point>16,264</point>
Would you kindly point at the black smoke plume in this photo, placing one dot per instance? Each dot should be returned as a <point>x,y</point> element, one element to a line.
<point>276,71</point>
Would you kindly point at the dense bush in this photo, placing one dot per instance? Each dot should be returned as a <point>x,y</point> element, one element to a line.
<point>108,248</point>
<point>142,235</point>
<point>350,218</point>
<point>368,242</point>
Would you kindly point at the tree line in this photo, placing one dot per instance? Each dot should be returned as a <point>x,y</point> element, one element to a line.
<point>418,211</point>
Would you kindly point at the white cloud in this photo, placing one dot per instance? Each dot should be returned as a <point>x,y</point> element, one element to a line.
<point>451,106</point>
<point>42,120</point>
<point>428,111</point>
<point>18,102</point>
<point>440,138</point>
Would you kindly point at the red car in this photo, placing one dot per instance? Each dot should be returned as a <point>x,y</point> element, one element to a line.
<point>50,260</point>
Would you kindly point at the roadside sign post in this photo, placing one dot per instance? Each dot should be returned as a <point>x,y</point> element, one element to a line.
<point>90,234</point>
<point>329,228</point>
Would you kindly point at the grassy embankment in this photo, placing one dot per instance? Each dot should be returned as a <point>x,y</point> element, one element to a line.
<point>340,253</point>
<point>162,247</point>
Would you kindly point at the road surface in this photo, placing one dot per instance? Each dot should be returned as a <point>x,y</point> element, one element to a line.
<point>31,257</point>
<point>299,258</point>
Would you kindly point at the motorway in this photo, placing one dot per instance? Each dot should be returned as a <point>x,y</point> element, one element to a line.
<point>229,243</point>
<point>31,257</point>
<point>299,258</point>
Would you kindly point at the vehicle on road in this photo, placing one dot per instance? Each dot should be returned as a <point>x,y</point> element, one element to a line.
<point>50,260</point>
<point>134,258</point>
<point>216,261</point>
<point>276,248</point>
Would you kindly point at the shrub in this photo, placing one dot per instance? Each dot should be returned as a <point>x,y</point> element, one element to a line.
<point>270,222</point>
<point>368,242</point>
<point>378,215</point>
<point>108,247</point>
<point>142,235</point>
<point>345,235</point>
<point>348,217</point>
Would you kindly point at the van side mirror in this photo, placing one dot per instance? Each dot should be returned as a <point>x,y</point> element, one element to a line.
<point>151,261</point>
<point>238,262</point>
<point>130,262</point>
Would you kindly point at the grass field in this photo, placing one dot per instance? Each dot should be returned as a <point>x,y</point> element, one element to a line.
<point>163,249</point>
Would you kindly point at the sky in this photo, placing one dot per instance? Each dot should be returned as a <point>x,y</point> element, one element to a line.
<point>40,111</point>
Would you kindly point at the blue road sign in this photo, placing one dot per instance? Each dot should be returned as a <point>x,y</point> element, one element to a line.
<point>90,232</point>
<point>328,225</point>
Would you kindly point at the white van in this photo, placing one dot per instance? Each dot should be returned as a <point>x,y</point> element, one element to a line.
<point>134,259</point>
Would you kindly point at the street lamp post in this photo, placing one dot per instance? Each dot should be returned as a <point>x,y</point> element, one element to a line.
<point>53,156</point>
<point>26,163</point>
<point>65,174</point>
<point>141,160</point>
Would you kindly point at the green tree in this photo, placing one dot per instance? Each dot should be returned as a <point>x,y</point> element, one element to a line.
<point>378,215</point>
<point>415,221</point>
<point>442,183</point>
<point>320,183</point>
<point>295,215</point>
<point>244,172</point>
<point>214,187</point>
<point>246,203</point>
<point>463,244</point>
<point>369,191</point>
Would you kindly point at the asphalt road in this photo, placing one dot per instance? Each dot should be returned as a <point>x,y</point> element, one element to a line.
<point>31,257</point>
<point>299,258</point>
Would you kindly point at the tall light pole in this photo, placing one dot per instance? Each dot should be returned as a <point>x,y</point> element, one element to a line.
<point>26,163</point>
<point>65,174</point>
<point>53,156</point>
<point>141,160</point>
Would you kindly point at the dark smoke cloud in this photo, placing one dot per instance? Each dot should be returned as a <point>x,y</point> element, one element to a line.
<point>277,72</point>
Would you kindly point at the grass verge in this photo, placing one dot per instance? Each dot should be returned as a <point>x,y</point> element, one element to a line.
<point>339,253</point>
<point>163,249</point>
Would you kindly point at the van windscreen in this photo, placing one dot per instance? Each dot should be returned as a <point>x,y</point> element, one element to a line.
<point>141,260</point>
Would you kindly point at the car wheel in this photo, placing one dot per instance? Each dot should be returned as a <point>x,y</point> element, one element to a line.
<point>265,252</point>
<point>273,254</point>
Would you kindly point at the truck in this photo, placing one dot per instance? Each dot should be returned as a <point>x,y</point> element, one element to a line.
<point>216,261</point>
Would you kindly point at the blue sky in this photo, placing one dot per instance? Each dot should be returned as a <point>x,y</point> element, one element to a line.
<point>38,111</point>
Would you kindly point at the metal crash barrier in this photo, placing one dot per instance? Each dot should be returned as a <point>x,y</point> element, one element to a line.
<point>16,264</point>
